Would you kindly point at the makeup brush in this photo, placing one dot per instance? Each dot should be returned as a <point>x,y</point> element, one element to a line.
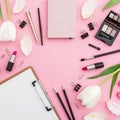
<point>100,55</point>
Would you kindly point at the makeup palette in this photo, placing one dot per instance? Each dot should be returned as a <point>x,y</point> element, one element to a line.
<point>109,28</point>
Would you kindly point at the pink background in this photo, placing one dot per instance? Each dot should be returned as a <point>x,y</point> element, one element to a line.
<point>57,63</point>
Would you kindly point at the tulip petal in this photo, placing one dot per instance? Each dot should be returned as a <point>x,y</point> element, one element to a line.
<point>114,108</point>
<point>26,45</point>
<point>95,116</point>
<point>19,6</point>
<point>88,8</point>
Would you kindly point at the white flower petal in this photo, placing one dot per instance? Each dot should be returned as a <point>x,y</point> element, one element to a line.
<point>7,31</point>
<point>88,8</point>
<point>90,96</point>
<point>95,116</point>
<point>19,6</point>
<point>114,108</point>
<point>26,45</point>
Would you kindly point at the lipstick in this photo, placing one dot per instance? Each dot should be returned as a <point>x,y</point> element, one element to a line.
<point>94,66</point>
<point>11,61</point>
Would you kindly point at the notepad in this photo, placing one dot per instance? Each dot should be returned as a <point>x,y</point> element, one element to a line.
<point>19,101</point>
<point>61,18</point>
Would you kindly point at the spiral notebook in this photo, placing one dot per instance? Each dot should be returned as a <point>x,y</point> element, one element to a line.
<point>22,97</point>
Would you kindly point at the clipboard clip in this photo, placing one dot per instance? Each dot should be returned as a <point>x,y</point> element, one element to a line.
<point>34,85</point>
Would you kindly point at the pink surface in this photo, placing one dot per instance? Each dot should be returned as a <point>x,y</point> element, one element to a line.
<point>57,63</point>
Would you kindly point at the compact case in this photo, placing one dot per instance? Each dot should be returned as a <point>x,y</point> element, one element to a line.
<point>109,28</point>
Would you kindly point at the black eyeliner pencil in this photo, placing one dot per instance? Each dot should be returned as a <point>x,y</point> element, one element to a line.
<point>68,103</point>
<point>93,46</point>
<point>100,55</point>
<point>40,27</point>
<point>62,104</point>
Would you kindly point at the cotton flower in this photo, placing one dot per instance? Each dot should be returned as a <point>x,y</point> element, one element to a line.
<point>90,96</point>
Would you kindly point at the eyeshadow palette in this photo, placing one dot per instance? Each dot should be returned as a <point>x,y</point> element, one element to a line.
<point>109,28</point>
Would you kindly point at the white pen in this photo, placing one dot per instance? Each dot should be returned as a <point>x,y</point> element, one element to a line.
<point>32,25</point>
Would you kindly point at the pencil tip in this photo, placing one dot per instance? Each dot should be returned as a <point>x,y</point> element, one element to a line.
<point>55,90</point>
<point>62,88</point>
<point>83,59</point>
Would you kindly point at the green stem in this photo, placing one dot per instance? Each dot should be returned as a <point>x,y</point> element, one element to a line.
<point>1,17</point>
<point>8,9</point>
<point>105,80</point>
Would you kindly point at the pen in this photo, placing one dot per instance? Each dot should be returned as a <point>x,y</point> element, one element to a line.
<point>32,25</point>
<point>68,103</point>
<point>40,26</point>
<point>62,104</point>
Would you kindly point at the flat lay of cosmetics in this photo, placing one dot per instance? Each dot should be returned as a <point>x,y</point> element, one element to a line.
<point>72,47</point>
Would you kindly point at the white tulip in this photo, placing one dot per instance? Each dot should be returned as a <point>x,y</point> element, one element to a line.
<point>90,96</point>
<point>7,31</point>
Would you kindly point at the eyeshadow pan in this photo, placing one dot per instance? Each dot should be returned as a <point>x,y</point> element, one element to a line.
<point>119,19</point>
<point>113,33</point>
<point>115,17</point>
<point>104,28</point>
<point>111,15</point>
<point>109,30</point>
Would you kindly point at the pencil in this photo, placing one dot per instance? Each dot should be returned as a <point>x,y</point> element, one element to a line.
<point>40,27</point>
<point>65,110</point>
<point>68,103</point>
<point>93,46</point>
<point>32,26</point>
<point>100,55</point>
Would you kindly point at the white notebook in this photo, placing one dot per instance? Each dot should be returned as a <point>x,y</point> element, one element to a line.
<point>20,101</point>
<point>61,18</point>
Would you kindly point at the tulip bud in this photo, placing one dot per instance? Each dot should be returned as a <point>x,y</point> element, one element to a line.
<point>90,96</point>
<point>7,31</point>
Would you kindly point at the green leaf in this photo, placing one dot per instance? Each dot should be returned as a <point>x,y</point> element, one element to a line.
<point>106,79</point>
<point>111,3</point>
<point>113,83</point>
<point>106,71</point>
<point>1,17</point>
<point>8,9</point>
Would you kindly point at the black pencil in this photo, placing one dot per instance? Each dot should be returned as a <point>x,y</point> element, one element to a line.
<point>40,27</point>
<point>68,103</point>
<point>62,104</point>
<point>100,55</point>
